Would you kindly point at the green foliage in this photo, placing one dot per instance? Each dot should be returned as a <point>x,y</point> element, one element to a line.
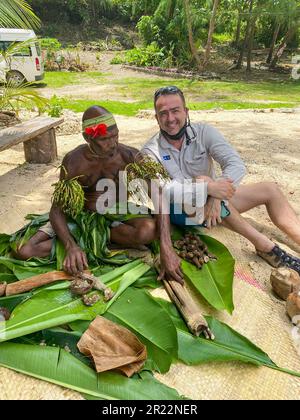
<point>228,345</point>
<point>118,59</point>
<point>17,14</point>
<point>69,196</point>
<point>14,97</point>
<point>55,305</point>
<point>214,280</point>
<point>151,55</point>
<point>54,107</point>
<point>50,44</point>
<point>148,30</point>
<point>223,38</point>
<point>138,311</point>
<point>59,367</point>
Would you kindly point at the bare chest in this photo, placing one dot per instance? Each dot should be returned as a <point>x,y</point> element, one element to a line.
<point>110,170</point>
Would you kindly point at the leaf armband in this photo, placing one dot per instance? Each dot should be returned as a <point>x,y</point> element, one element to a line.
<point>69,196</point>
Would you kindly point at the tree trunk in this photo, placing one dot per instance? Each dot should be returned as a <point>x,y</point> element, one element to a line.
<point>211,32</point>
<point>191,38</point>
<point>246,40</point>
<point>250,44</point>
<point>288,36</point>
<point>275,36</point>
<point>238,30</point>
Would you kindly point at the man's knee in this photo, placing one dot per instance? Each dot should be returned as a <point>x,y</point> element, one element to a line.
<point>147,231</point>
<point>24,252</point>
<point>272,189</point>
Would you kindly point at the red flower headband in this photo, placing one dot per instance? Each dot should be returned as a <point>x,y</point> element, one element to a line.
<point>96,131</point>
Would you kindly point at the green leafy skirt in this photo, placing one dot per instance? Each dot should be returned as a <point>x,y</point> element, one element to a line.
<point>91,232</point>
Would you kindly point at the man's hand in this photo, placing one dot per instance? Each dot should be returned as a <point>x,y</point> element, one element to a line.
<point>213,212</point>
<point>170,266</point>
<point>223,189</point>
<point>75,261</point>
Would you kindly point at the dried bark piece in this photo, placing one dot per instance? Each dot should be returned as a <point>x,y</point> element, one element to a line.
<point>293,305</point>
<point>112,346</point>
<point>284,281</point>
<point>36,281</point>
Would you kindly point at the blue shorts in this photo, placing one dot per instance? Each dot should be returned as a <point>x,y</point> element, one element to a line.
<point>180,219</point>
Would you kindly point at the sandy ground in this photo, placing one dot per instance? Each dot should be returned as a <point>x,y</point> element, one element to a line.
<point>268,143</point>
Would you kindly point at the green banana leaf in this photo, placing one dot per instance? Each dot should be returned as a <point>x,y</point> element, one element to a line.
<point>148,280</point>
<point>137,311</point>
<point>59,367</point>
<point>25,269</point>
<point>4,243</point>
<point>50,308</point>
<point>215,280</point>
<point>228,345</point>
<point>90,230</point>
<point>58,337</point>
<point>10,302</point>
<point>7,277</point>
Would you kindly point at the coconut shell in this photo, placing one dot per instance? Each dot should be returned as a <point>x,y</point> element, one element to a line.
<point>285,281</point>
<point>293,305</point>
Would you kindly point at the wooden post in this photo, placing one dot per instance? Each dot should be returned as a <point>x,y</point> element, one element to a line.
<point>41,149</point>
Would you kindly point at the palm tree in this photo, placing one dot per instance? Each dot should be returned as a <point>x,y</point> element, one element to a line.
<point>17,14</point>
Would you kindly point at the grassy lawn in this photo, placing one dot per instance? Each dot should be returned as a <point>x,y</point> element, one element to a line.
<point>57,79</point>
<point>212,90</point>
<point>131,109</point>
<point>200,95</point>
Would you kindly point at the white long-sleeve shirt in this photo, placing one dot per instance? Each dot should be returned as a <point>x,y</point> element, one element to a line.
<point>197,155</point>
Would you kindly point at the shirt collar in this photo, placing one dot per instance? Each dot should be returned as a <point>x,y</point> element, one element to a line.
<point>164,144</point>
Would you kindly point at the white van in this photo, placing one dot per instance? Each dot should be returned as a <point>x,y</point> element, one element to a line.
<point>27,65</point>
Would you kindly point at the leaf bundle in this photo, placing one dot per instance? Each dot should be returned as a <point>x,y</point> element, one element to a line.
<point>69,196</point>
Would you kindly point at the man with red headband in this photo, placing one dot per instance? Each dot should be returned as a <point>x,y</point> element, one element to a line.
<point>102,157</point>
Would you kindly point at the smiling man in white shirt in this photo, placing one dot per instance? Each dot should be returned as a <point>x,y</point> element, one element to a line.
<point>188,151</point>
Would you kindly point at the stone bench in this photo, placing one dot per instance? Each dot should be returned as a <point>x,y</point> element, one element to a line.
<point>37,136</point>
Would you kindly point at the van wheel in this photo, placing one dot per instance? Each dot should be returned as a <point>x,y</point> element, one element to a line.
<point>15,77</point>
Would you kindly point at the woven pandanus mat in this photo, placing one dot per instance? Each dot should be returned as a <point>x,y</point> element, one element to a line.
<point>258,315</point>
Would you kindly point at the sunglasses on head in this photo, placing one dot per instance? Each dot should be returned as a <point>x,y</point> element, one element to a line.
<point>167,90</point>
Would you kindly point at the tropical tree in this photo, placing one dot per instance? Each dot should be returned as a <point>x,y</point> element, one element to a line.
<point>17,14</point>
<point>193,47</point>
<point>292,13</point>
<point>211,32</point>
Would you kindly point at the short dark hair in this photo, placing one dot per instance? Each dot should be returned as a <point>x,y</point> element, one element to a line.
<point>168,90</point>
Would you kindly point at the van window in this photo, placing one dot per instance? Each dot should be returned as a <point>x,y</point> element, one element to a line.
<point>38,48</point>
<point>4,45</point>
<point>24,52</point>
